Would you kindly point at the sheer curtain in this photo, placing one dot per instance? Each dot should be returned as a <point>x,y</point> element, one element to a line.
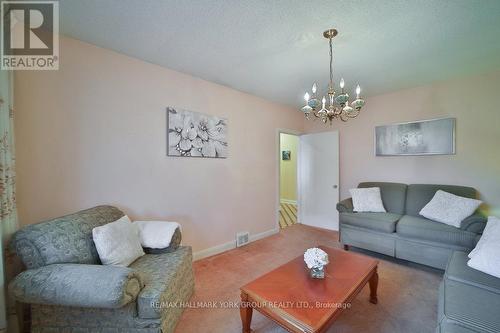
<point>8,212</point>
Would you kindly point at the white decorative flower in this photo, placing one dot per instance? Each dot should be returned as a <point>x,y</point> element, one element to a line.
<point>176,123</point>
<point>182,133</point>
<point>315,258</point>
<point>205,125</point>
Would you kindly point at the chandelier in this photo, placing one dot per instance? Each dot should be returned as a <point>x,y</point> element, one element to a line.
<point>338,106</point>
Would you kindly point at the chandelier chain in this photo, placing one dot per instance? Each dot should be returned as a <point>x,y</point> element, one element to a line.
<point>331,65</point>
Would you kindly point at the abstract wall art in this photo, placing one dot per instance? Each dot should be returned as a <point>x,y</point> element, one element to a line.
<point>425,137</point>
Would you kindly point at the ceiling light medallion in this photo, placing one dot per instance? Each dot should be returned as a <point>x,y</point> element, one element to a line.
<point>338,106</point>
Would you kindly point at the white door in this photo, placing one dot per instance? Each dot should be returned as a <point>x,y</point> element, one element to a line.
<point>318,181</point>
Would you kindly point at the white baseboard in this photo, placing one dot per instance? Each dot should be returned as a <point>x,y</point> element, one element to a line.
<point>286,201</point>
<point>264,234</point>
<point>211,251</point>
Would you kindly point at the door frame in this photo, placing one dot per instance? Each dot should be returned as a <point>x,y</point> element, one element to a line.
<point>278,172</point>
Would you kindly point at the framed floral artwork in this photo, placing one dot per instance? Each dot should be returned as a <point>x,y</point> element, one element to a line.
<point>193,134</point>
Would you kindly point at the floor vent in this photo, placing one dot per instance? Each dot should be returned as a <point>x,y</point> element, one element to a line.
<point>242,238</point>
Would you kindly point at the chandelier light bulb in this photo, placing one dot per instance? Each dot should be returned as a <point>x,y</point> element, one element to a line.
<point>306,97</point>
<point>324,101</point>
<point>314,88</point>
<point>342,83</point>
<point>358,90</point>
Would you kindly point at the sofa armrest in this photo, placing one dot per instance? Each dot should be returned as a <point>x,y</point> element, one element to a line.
<point>93,286</point>
<point>474,223</point>
<point>345,206</point>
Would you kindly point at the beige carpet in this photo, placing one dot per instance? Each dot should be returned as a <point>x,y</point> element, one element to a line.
<point>288,215</point>
<point>407,292</point>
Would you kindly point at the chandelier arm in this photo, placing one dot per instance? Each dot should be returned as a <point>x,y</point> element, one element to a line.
<point>354,114</point>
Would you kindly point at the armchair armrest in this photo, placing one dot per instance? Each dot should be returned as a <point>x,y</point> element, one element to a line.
<point>345,206</point>
<point>95,286</point>
<point>474,223</point>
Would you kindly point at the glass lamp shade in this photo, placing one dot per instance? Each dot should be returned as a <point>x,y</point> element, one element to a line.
<point>314,103</point>
<point>306,109</point>
<point>358,104</point>
<point>342,99</point>
<point>348,110</point>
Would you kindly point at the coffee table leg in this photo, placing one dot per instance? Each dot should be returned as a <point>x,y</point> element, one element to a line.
<point>245,313</point>
<point>373,287</point>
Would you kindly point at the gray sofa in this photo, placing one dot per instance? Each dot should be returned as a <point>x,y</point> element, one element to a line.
<point>469,300</point>
<point>70,291</point>
<point>402,232</point>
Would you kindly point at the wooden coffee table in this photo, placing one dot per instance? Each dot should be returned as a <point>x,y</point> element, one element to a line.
<point>298,303</point>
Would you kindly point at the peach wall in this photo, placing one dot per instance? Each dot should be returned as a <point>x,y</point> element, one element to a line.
<point>474,101</point>
<point>94,133</point>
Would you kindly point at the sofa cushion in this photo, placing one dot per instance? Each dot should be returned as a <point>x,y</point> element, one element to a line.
<point>393,195</point>
<point>471,297</point>
<point>449,208</point>
<point>66,239</point>
<point>118,243</point>
<point>419,195</point>
<point>383,222</point>
<point>168,278</point>
<point>422,228</point>
<point>367,200</point>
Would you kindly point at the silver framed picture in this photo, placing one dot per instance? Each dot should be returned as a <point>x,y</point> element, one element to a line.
<point>193,134</point>
<point>423,137</point>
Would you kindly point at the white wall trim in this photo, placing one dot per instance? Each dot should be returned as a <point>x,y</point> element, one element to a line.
<point>211,251</point>
<point>264,234</point>
<point>287,201</point>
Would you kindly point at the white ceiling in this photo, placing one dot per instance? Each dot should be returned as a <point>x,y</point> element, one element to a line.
<point>275,48</point>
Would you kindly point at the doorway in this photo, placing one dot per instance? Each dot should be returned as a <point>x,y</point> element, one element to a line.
<point>308,176</point>
<point>288,166</point>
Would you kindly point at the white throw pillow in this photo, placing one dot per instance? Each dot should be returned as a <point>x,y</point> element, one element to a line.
<point>156,234</point>
<point>367,200</point>
<point>449,208</point>
<point>486,258</point>
<point>118,242</point>
<point>493,222</point>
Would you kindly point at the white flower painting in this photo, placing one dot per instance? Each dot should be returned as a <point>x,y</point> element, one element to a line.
<point>193,134</point>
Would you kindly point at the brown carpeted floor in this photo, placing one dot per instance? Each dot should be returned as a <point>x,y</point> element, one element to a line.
<point>407,292</point>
